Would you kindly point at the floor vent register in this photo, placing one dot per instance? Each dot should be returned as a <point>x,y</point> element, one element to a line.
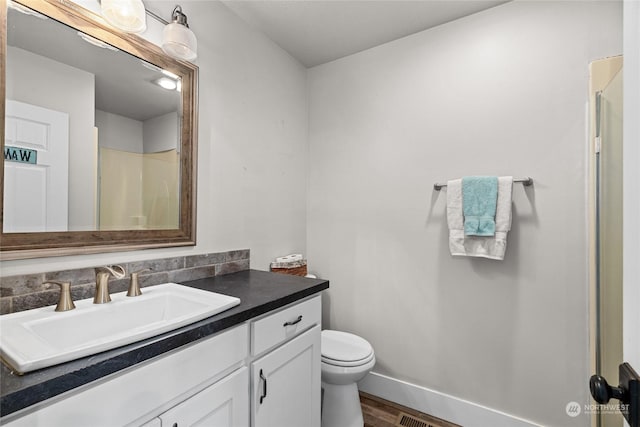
<point>406,420</point>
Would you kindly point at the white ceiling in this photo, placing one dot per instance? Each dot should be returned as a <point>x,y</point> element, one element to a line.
<point>123,84</point>
<point>319,31</point>
<point>312,31</point>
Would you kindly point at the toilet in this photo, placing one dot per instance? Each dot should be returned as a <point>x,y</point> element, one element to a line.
<point>346,359</point>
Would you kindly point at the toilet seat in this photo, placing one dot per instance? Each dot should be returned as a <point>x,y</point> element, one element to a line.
<point>344,349</point>
<point>347,364</point>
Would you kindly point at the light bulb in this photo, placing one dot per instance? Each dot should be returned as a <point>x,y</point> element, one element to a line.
<point>127,15</point>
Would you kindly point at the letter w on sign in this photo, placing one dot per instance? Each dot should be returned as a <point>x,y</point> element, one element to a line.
<point>20,155</point>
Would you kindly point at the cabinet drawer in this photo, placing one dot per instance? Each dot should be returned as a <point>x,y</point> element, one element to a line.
<point>284,325</point>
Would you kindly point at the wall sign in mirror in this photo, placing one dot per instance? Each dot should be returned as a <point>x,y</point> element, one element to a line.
<point>108,123</point>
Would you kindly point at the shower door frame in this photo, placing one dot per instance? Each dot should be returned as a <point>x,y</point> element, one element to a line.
<point>605,201</point>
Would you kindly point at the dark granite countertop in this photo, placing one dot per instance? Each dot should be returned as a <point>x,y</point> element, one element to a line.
<point>259,293</point>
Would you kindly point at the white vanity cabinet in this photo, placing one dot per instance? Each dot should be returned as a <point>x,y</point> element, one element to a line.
<point>141,393</point>
<point>286,380</point>
<point>262,373</point>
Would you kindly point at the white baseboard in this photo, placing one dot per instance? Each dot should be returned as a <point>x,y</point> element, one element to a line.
<point>438,404</point>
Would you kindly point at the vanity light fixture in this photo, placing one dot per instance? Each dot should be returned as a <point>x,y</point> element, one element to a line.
<point>127,15</point>
<point>178,40</point>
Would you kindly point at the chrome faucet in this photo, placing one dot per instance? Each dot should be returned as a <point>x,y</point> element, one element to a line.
<point>102,282</point>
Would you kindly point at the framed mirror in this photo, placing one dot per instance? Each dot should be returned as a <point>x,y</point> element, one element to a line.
<point>98,135</point>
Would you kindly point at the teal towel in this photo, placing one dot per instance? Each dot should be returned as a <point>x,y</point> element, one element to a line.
<point>479,200</point>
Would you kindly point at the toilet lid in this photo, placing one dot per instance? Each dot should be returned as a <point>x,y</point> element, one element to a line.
<point>345,364</point>
<point>338,347</point>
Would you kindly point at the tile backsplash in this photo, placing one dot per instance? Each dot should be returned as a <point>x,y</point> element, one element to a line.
<point>24,292</point>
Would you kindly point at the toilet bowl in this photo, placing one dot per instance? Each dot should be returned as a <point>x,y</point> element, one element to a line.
<point>346,359</point>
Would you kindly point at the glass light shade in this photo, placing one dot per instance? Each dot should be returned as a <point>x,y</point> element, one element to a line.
<point>127,15</point>
<point>179,42</point>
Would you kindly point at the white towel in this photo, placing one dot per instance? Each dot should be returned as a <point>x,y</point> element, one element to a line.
<point>492,247</point>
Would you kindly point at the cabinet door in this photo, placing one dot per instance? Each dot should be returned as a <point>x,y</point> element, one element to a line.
<point>223,404</point>
<point>286,384</point>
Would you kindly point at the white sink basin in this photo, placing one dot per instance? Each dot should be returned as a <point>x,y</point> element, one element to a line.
<point>41,337</point>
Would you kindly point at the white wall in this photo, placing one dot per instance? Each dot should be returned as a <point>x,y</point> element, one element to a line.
<point>252,146</point>
<point>119,133</point>
<point>29,79</point>
<point>161,133</point>
<point>502,92</point>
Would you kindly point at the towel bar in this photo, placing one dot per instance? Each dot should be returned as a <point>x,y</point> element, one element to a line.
<point>527,181</point>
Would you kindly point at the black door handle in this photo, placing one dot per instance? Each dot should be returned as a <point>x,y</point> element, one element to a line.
<point>628,392</point>
<point>602,392</point>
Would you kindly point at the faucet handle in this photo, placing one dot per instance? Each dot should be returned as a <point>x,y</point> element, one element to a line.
<point>134,285</point>
<point>65,303</point>
<point>117,271</point>
<point>102,282</point>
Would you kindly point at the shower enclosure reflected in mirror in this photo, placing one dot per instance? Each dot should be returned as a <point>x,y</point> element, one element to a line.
<point>99,137</point>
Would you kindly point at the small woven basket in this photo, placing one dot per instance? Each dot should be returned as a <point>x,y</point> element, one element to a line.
<point>296,268</point>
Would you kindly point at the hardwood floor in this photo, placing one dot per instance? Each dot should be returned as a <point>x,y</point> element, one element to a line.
<point>378,412</point>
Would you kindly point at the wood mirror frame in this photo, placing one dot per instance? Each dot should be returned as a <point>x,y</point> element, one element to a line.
<point>44,244</point>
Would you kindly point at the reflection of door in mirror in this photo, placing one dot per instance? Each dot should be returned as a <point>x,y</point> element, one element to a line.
<point>49,84</point>
<point>36,168</point>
